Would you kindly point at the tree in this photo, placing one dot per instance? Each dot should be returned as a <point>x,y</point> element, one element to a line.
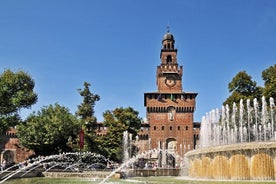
<point>118,121</point>
<point>86,113</point>
<point>129,119</point>
<point>16,93</point>
<point>49,130</point>
<point>269,77</point>
<point>242,87</point>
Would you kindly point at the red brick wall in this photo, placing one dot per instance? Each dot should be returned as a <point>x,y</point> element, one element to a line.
<point>180,128</point>
<point>10,143</point>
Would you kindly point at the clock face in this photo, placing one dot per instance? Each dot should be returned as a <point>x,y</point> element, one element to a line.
<point>170,81</point>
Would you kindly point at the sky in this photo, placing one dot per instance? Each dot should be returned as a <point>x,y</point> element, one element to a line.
<point>115,46</point>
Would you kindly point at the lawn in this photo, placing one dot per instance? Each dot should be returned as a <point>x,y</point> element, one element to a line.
<point>141,180</point>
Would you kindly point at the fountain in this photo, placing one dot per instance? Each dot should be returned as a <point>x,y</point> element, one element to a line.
<point>83,164</point>
<point>237,144</point>
<point>128,166</point>
<point>77,164</point>
<point>126,145</point>
<point>154,162</point>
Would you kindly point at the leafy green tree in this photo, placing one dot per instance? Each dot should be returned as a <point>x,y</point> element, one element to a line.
<point>242,87</point>
<point>269,77</point>
<point>118,121</point>
<point>86,113</point>
<point>49,131</point>
<point>16,93</point>
<point>129,119</point>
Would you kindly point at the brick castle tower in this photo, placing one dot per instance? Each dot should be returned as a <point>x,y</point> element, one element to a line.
<point>170,110</point>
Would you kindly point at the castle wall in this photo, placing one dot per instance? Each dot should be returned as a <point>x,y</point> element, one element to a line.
<point>11,150</point>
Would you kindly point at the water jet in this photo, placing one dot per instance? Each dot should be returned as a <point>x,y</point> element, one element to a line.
<point>237,143</point>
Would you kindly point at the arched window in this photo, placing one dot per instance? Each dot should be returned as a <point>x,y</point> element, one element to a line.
<point>169,59</point>
<point>171,113</point>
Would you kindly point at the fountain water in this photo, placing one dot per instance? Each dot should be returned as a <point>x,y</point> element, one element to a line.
<point>126,145</point>
<point>237,143</point>
<point>78,161</point>
<point>127,166</point>
<point>243,125</point>
<point>81,161</point>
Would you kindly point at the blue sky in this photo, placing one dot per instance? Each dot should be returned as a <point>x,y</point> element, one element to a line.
<point>115,45</point>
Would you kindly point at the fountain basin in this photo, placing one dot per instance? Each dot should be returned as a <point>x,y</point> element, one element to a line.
<point>154,172</point>
<point>91,174</point>
<point>242,161</point>
<point>21,174</point>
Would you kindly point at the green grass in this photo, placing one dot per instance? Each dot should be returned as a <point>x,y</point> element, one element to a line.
<point>140,180</point>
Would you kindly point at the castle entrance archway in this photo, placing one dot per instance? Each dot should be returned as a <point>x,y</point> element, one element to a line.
<point>8,155</point>
<point>171,148</point>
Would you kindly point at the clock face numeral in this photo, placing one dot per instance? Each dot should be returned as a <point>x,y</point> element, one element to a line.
<point>170,81</point>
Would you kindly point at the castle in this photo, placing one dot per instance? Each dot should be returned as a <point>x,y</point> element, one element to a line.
<point>170,111</point>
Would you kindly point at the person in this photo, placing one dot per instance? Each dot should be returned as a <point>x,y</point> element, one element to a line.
<point>3,165</point>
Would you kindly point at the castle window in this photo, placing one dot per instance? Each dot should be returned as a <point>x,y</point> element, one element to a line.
<point>169,59</point>
<point>178,127</point>
<point>187,127</point>
<point>171,113</point>
<point>170,127</point>
<point>154,128</point>
<point>163,127</point>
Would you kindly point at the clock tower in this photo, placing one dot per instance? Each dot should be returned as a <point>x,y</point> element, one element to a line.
<point>169,74</point>
<point>170,110</point>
